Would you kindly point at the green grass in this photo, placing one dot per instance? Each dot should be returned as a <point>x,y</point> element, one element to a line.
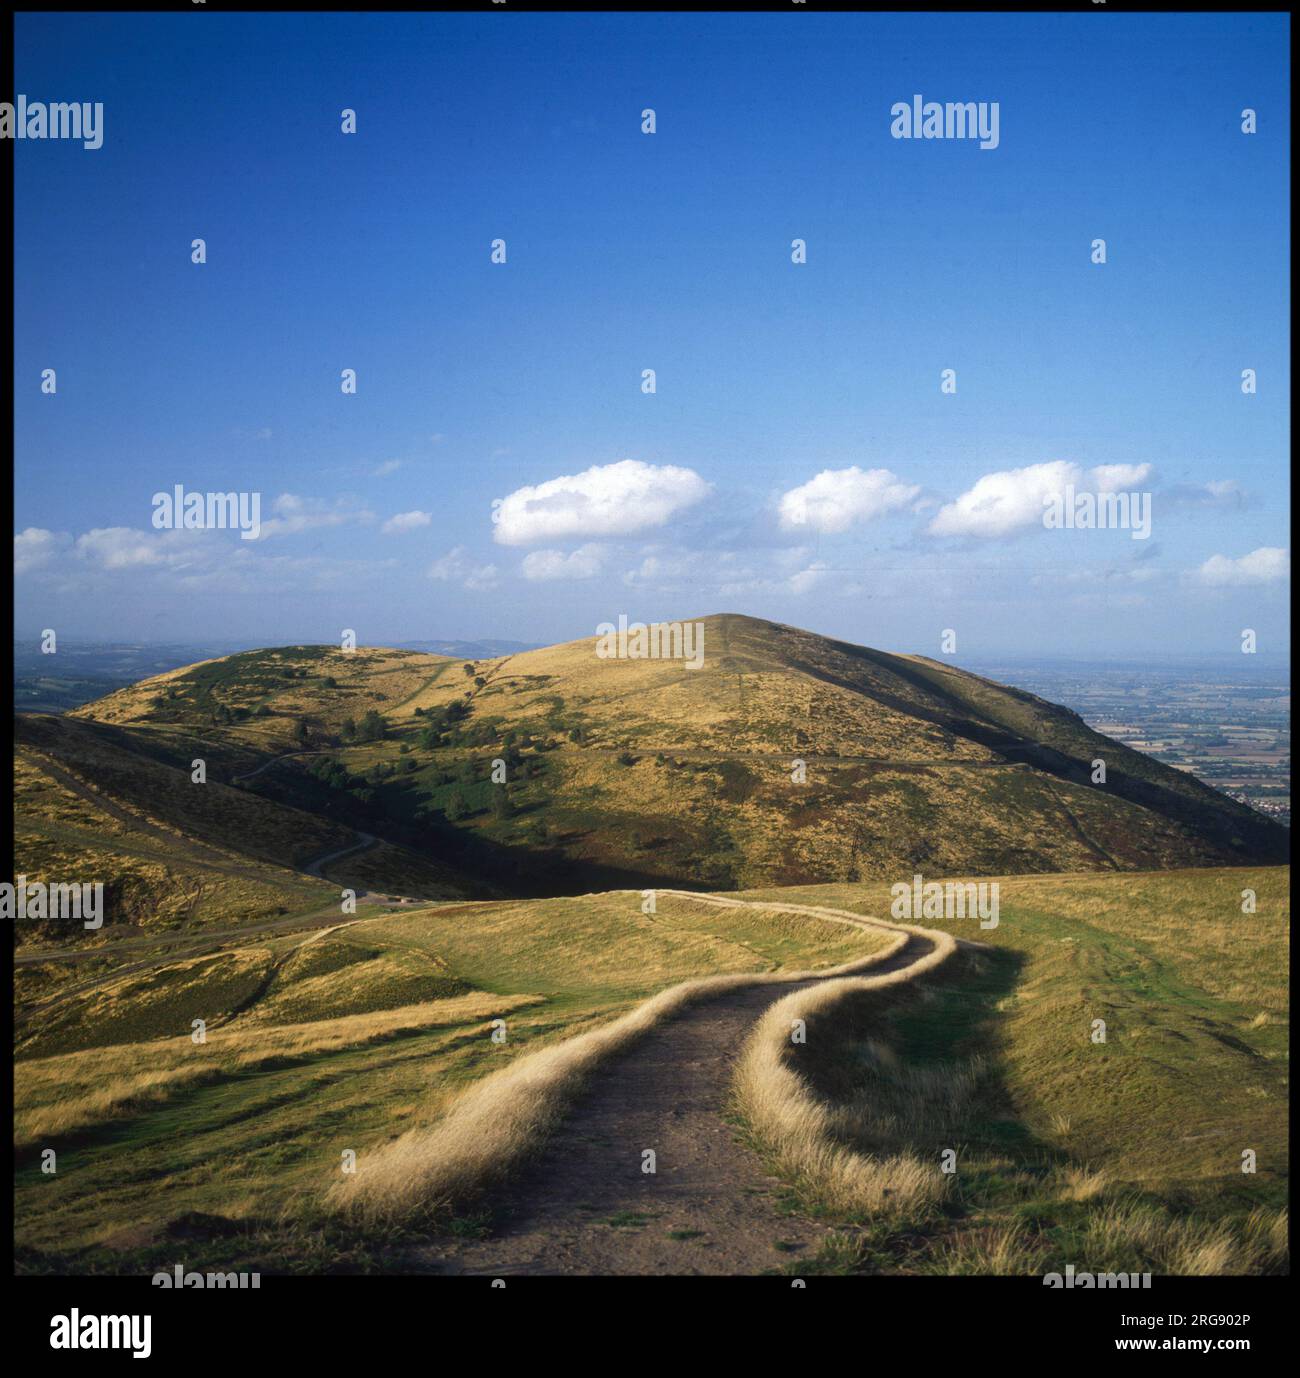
<point>628,1220</point>
<point>254,1148</point>
<point>1125,1154</point>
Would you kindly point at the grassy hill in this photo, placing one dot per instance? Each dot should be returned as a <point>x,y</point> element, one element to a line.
<point>1124,1156</point>
<point>96,803</point>
<point>335,1041</point>
<point>646,772</point>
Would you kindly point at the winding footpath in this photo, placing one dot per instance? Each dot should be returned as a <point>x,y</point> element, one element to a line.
<point>585,1206</point>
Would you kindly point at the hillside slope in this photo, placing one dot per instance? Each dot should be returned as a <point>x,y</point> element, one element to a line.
<point>644,772</point>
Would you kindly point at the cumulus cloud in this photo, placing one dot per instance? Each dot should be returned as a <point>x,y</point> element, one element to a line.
<point>583,563</point>
<point>456,568</point>
<point>1012,499</point>
<point>1266,565</point>
<point>36,547</point>
<point>605,500</point>
<point>1118,478</point>
<point>405,521</point>
<point>1003,502</point>
<point>837,498</point>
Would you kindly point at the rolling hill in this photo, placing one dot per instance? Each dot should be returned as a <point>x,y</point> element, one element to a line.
<point>645,772</point>
<point>1124,1155</point>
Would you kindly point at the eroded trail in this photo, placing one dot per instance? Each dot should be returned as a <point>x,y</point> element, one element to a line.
<point>586,1207</point>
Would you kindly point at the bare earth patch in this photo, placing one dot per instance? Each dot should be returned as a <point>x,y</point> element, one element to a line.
<point>586,1207</point>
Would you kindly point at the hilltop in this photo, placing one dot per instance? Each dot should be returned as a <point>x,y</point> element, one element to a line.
<point>644,772</point>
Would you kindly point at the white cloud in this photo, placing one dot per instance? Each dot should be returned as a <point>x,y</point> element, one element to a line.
<point>605,500</point>
<point>35,547</point>
<point>583,563</point>
<point>1012,499</point>
<point>837,498</point>
<point>294,514</point>
<point>405,521</point>
<point>455,568</point>
<point>119,547</point>
<point>1263,566</point>
<point>389,466</point>
<point>1118,478</point>
<point>1003,502</point>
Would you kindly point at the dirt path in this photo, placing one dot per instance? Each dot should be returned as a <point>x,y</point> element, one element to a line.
<point>708,1208</point>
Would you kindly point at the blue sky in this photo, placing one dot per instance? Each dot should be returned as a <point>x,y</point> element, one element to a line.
<point>668,251</point>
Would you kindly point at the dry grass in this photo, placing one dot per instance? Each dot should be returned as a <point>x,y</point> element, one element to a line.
<point>991,1250</point>
<point>803,1134</point>
<point>1183,1247</point>
<point>505,1117</point>
<point>63,1095</point>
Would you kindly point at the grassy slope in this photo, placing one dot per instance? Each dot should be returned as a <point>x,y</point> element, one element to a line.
<point>96,804</point>
<point>244,1128</point>
<point>645,772</point>
<point>1122,1155</point>
<point>1125,1155</point>
<point>157,879</point>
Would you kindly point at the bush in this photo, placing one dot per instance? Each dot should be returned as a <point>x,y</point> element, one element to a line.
<point>372,727</point>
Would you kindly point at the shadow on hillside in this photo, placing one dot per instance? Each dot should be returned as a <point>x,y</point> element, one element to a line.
<point>919,1069</point>
<point>1234,828</point>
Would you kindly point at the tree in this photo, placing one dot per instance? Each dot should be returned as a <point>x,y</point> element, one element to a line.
<point>456,806</point>
<point>372,727</point>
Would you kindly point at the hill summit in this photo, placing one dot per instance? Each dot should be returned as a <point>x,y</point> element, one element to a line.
<point>781,757</point>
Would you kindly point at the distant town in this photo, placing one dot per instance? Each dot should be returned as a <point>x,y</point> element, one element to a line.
<point>1227,724</point>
